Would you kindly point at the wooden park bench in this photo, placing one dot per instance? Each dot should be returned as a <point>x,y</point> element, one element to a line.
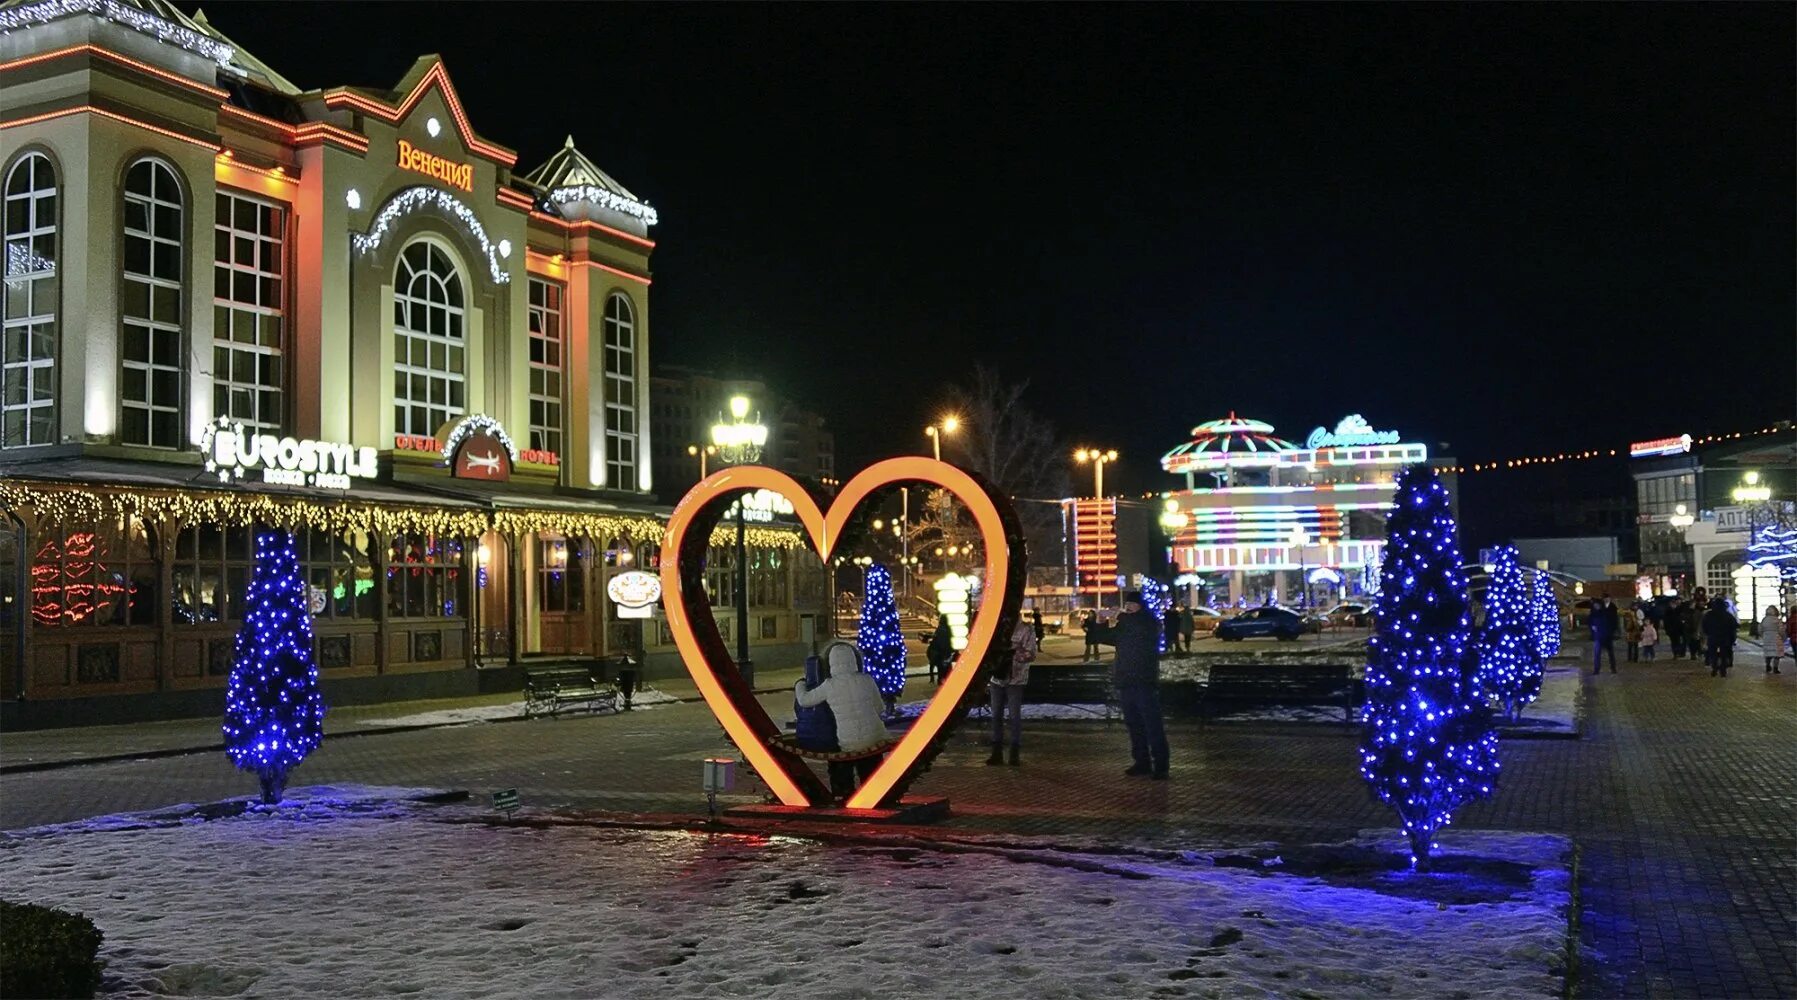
<point>1073,684</point>
<point>1282,684</point>
<point>549,689</point>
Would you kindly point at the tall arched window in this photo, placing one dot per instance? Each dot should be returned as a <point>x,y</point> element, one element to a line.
<point>428,340</point>
<point>620,393</point>
<point>28,348</point>
<point>152,349</point>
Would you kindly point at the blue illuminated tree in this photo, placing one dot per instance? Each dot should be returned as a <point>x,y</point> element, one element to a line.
<point>1428,747</point>
<point>1776,546</point>
<point>882,644</point>
<point>1509,666</point>
<point>1158,598</point>
<point>1545,618</point>
<point>274,714</point>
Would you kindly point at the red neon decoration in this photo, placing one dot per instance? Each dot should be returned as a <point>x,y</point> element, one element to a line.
<point>63,575</point>
<point>735,706</point>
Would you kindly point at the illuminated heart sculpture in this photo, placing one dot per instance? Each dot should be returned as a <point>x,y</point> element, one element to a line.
<point>708,660</point>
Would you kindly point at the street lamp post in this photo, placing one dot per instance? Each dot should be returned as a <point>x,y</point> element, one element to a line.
<point>949,425</point>
<point>1299,540</point>
<point>1750,494</point>
<point>710,449</point>
<point>739,442</point>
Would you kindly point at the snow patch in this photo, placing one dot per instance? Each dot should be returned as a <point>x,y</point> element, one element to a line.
<point>645,698</point>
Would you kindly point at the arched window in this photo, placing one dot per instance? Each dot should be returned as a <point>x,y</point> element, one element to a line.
<point>28,382</point>
<point>152,348</point>
<point>620,393</point>
<point>428,340</point>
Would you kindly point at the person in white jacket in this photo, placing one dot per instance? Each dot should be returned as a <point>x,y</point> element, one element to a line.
<point>854,699</point>
<point>1006,691</point>
<point>1772,637</point>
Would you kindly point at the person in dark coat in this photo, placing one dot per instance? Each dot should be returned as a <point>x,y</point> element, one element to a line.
<point>1137,674</point>
<point>1089,624</point>
<point>1719,627</point>
<point>1678,621</point>
<point>1170,629</point>
<point>1036,626</point>
<point>940,651</point>
<point>1604,622</point>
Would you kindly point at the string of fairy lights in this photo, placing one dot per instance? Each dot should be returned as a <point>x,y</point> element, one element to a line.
<point>1530,461</point>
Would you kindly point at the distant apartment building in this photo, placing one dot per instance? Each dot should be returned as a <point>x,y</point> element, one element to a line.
<point>799,441</point>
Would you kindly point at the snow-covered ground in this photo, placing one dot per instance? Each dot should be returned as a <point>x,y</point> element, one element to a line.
<point>644,698</point>
<point>1043,710</point>
<point>353,895</point>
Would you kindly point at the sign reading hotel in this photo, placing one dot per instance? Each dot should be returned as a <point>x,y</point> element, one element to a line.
<point>1352,432</point>
<point>431,165</point>
<point>233,453</point>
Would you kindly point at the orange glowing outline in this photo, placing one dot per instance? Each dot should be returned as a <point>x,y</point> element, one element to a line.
<point>825,530</point>
<point>514,199</point>
<point>143,67</point>
<point>102,112</point>
<point>613,270</point>
<point>436,74</point>
<point>590,224</point>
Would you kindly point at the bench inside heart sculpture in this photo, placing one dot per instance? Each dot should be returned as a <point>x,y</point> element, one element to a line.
<point>828,522</point>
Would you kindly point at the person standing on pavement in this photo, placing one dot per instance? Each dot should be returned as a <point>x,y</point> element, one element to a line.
<point>1678,621</point>
<point>1186,627</point>
<point>1772,637</point>
<point>1036,626</point>
<point>1604,620</point>
<point>1089,623</point>
<point>1791,631</point>
<point>1631,631</point>
<point>1170,629</point>
<point>1005,689</point>
<point>940,650</point>
<point>1719,628</point>
<point>1649,636</point>
<point>1136,672</point>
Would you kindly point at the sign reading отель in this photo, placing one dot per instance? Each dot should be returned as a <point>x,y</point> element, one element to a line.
<point>233,452</point>
<point>431,165</point>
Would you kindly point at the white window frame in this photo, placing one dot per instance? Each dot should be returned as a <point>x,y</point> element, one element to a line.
<point>548,364</point>
<point>162,361</point>
<point>621,422</point>
<point>31,294</point>
<point>249,330</point>
<point>420,296</point>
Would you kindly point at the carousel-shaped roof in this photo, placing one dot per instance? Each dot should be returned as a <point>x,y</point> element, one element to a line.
<point>1230,441</point>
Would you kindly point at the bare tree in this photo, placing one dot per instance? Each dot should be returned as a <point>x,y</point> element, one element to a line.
<point>1016,449</point>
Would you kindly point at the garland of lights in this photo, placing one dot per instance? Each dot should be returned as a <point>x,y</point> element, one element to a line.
<point>604,199</point>
<point>1158,599</point>
<point>880,640</point>
<point>1545,618</point>
<point>1428,747</point>
<point>132,17</point>
<point>238,510</point>
<point>477,423</point>
<point>1509,667</point>
<point>414,198</point>
<point>1574,456</point>
<point>274,713</point>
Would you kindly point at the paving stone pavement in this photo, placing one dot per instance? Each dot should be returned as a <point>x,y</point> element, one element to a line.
<point>1680,796</point>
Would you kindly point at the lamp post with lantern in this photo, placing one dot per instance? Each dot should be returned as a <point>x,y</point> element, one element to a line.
<point>1751,494</point>
<point>739,442</point>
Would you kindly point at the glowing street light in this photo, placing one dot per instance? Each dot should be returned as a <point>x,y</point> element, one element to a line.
<point>710,449</point>
<point>1681,518</point>
<point>949,425</point>
<point>739,442</point>
<point>1752,490</point>
<point>1098,459</point>
<point>1750,494</point>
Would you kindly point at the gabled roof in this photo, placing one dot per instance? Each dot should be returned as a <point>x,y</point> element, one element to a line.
<point>157,18</point>
<point>258,71</point>
<point>577,187</point>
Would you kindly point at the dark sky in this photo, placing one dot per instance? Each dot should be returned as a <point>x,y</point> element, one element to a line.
<point>1512,227</point>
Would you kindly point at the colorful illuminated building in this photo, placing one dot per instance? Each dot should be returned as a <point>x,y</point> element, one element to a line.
<point>230,301</point>
<point>1265,518</point>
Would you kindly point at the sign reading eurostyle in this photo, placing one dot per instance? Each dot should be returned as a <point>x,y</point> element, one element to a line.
<point>233,452</point>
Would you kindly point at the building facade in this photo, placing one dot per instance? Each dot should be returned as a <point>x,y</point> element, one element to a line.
<point>232,303</point>
<point>1694,531</point>
<point>688,402</point>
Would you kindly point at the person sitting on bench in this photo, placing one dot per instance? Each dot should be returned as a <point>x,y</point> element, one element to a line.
<point>854,699</point>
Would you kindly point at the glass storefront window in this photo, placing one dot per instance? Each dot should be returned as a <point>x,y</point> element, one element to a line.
<point>94,574</point>
<point>425,577</point>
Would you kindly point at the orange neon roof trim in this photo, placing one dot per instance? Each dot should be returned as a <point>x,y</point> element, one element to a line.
<point>115,116</point>
<point>435,75</point>
<point>613,270</point>
<point>225,163</point>
<point>516,199</point>
<point>590,224</point>
<point>108,54</point>
<point>825,529</point>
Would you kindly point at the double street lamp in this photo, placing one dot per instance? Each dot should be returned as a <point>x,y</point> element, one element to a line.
<point>738,442</point>
<point>1098,459</point>
<point>949,425</point>
<point>702,453</point>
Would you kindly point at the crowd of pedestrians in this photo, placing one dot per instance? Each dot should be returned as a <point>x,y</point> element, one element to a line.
<point>1703,628</point>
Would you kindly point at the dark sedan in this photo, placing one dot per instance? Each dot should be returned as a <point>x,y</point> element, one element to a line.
<point>1276,623</point>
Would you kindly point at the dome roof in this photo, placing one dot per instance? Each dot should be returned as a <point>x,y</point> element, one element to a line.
<point>1230,441</point>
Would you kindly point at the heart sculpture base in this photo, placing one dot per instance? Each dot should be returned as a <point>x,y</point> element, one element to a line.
<point>911,810</point>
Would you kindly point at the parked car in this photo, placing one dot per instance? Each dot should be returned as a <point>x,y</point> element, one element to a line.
<point>1350,614</point>
<point>1206,619</point>
<point>1277,623</point>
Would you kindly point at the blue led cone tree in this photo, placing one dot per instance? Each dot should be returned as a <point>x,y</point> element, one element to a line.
<point>1428,747</point>
<point>1158,597</point>
<point>1544,618</point>
<point>274,714</point>
<point>882,644</point>
<point>1509,666</point>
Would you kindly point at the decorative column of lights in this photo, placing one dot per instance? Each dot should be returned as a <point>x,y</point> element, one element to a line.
<point>739,442</point>
<point>604,199</point>
<point>1509,664</point>
<point>1428,747</point>
<point>414,198</point>
<point>1545,618</point>
<point>934,432</point>
<point>1098,459</point>
<point>1751,494</point>
<point>952,592</point>
<point>26,15</point>
<point>274,713</point>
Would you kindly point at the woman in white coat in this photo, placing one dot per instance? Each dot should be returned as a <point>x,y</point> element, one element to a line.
<point>854,699</point>
<point>1006,691</point>
<point>1772,638</point>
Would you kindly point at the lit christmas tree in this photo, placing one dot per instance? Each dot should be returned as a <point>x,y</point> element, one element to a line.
<point>1545,618</point>
<point>882,644</point>
<point>1509,668</point>
<point>1158,598</point>
<point>1428,746</point>
<point>1775,546</point>
<point>274,714</point>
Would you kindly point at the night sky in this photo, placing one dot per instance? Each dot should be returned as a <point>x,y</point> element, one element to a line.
<point>1515,228</point>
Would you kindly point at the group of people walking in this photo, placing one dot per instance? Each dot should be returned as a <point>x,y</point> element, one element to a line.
<point>1704,627</point>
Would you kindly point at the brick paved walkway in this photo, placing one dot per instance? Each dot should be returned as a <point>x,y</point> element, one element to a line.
<point>1680,797</point>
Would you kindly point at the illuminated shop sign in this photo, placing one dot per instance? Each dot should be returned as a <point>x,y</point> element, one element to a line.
<point>1352,432</point>
<point>476,447</point>
<point>1661,446</point>
<point>234,453</point>
<point>431,165</point>
<point>635,593</point>
<point>762,505</point>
